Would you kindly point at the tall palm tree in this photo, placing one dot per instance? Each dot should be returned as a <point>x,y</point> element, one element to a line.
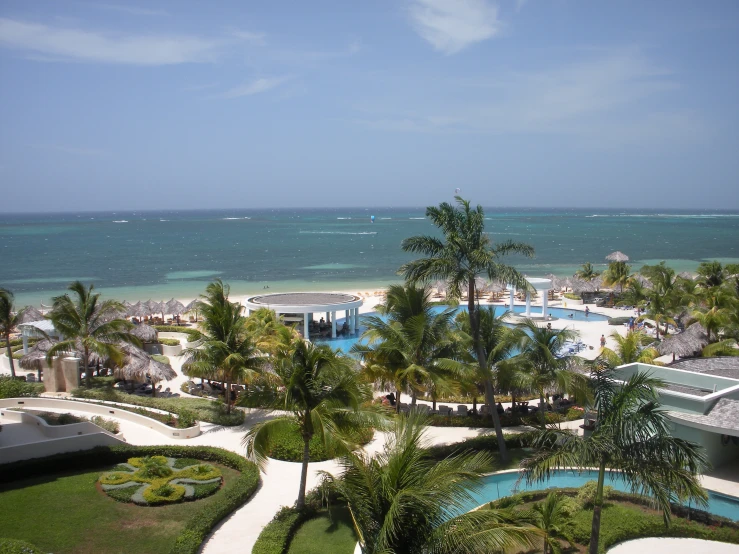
<point>465,253</point>
<point>324,398</point>
<point>403,501</point>
<point>632,436</point>
<point>587,272</point>
<point>711,274</point>
<point>543,365</point>
<point>228,351</point>
<point>8,321</point>
<point>552,518</point>
<point>617,273</point>
<point>413,346</point>
<point>89,325</point>
<point>714,310</point>
<point>629,350</point>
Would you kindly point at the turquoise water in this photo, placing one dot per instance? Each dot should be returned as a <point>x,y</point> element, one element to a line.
<point>345,343</point>
<point>161,254</point>
<point>504,484</point>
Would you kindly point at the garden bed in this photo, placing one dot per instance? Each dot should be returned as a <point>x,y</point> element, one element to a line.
<point>288,446</point>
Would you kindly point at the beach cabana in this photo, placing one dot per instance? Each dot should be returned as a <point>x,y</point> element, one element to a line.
<point>617,257</point>
<point>687,343</point>
<point>29,314</point>
<point>144,333</point>
<point>139,366</point>
<point>174,307</point>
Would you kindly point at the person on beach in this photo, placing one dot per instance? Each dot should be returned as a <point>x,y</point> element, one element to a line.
<point>602,341</point>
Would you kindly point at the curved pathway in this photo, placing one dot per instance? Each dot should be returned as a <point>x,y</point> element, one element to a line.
<point>664,545</point>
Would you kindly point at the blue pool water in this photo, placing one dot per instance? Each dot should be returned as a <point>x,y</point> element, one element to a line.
<point>504,484</point>
<point>345,343</point>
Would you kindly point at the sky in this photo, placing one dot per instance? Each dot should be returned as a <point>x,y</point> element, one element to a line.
<point>234,104</point>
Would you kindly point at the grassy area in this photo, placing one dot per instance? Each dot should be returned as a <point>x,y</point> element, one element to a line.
<point>204,409</point>
<point>332,532</point>
<point>66,513</point>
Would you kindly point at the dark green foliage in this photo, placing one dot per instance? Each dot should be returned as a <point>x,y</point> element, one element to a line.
<point>161,359</point>
<point>201,491</point>
<point>12,546</point>
<point>618,320</point>
<point>186,418</point>
<point>586,494</point>
<point>180,463</point>
<point>275,537</point>
<point>122,495</point>
<point>192,334</point>
<point>287,445</point>
<point>16,388</point>
<point>170,342</point>
<point>201,521</point>
<point>479,444</point>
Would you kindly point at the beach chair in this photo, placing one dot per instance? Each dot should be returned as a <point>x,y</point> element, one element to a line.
<point>461,410</point>
<point>444,410</point>
<point>405,408</point>
<point>207,388</point>
<point>423,408</point>
<point>484,409</point>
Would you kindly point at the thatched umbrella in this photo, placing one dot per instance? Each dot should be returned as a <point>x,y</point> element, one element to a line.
<point>617,257</point>
<point>685,275</point>
<point>144,333</point>
<point>139,365</point>
<point>643,281</point>
<point>174,307</point>
<point>687,343</point>
<point>138,310</point>
<point>35,359</point>
<point>192,307</point>
<point>581,285</point>
<point>30,314</point>
<point>153,306</point>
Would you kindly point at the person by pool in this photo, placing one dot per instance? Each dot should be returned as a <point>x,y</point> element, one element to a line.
<point>587,311</point>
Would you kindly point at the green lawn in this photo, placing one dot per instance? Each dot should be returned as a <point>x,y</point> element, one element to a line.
<point>324,534</point>
<point>66,513</point>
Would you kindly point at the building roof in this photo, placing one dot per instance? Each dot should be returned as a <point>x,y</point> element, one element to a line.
<point>304,302</point>
<point>726,366</point>
<point>722,418</point>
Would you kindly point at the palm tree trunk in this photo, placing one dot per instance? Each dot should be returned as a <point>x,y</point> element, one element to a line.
<point>397,402</point>
<point>304,473</point>
<point>227,396</point>
<point>542,410</point>
<point>413,398</point>
<point>10,355</point>
<point>88,377</point>
<point>597,507</point>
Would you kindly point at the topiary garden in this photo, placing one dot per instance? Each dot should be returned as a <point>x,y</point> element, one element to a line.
<point>157,480</point>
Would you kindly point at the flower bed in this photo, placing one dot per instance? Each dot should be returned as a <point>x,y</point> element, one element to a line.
<point>155,480</point>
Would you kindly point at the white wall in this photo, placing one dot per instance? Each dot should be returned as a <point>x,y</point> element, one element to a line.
<point>56,446</point>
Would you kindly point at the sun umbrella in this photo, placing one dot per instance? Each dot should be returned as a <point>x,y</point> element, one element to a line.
<point>29,314</point>
<point>617,257</point>
<point>153,306</point>
<point>137,310</point>
<point>174,307</point>
<point>36,357</point>
<point>144,332</point>
<point>687,343</point>
<point>139,365</point>
<point>581,285</point>
<point>643,281</point>
<point>685,275</point>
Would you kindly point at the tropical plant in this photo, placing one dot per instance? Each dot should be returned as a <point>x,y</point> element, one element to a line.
<point>714,311</point>
<point>553,518</point>
<point>227,352</point>
<point>711,274</point>
<point>89,325</point>
<point>629,350</point>
<point>8,321</point>
<point>465,253</point>
<point>322,393</point>
<point>632,436</point>
<point>401,500</point>
<point>544,367</point>
<point>410,346</point>
<point>635,294</point>
<point>587,272</point>
<point>617,273</point>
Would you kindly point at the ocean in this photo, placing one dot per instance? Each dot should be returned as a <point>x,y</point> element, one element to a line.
<point>163,254</point>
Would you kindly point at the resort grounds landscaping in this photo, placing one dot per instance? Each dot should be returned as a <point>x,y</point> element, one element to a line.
<point>57,503</point>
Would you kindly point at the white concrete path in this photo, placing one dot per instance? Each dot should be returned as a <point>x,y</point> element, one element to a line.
<point>664,545</point>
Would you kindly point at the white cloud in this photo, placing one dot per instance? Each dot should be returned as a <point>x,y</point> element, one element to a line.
<point>248,36</point>
<point>65,44</point>
<point>254,87</point>
<point>452,25</point>
<point>131,10</point>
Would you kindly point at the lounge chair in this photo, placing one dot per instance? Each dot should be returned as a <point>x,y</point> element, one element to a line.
<point>405,408</point>
<point>484,409</point>
<point>461,410</point>
<point>423,408</point>
<point>444,410</point>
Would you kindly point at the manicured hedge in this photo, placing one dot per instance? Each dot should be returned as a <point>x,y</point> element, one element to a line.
<point>17,388</point>
<point>201,521</point>
<point>170,342</point>
<point>13,546</point>
<point>192,334</point>
<point>276,535</point>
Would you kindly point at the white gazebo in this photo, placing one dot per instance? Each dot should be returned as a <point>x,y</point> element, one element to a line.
<point>297,306</point>
<point>540,285</point>
<point>37,329</point>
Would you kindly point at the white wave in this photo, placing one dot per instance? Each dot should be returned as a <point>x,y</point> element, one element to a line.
<point>234,218</point>
<point>343,218</point>
<point>416,218</point>
<point>164,220</point>
<point>121,221</point>
<point>683,216</point>
<point>386,218</point>
<point>337,233</point>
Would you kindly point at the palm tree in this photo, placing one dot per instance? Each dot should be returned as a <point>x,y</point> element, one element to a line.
<point>714,313</point>
<point>499,343</point>
<point>552,517</point>
<point>587,272</point>
<point>465,253</point>
<point>413,346</point>
<point>89,325</point>
<point>629,350</point>
<point>711,274</point>
<point>632,436</point>
<point>542,364</point>
<point>617,273</point>
<point>323,395</point>
<point>228,352</point>
<point>8,321</point>
<point>403,501</point>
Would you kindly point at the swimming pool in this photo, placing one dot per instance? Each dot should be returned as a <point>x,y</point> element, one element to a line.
<point>504,484</point>
<point>345,343</point>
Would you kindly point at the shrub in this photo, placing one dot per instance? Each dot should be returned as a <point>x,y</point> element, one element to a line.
<point>586,494</point>
<point>17,388</point>
<point>108,424</point>
<point>12,546</point>
<point>276,535</point>
<point>170,342</point>
<point>288,446</point>
<point>478,444</point>
<point>618,320</point>
<point>186,418</point>
<point>572,296</point>
<point>574,413</point>
<point>192,334</point>
<point>162,359</point>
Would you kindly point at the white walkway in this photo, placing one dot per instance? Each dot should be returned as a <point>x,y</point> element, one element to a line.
<point>664,545</point>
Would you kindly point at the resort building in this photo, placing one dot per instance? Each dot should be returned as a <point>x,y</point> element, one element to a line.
<point>702,399</point>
